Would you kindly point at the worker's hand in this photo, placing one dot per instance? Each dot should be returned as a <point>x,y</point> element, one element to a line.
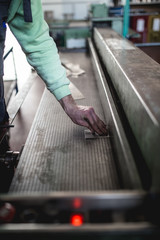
<point>83,115</point>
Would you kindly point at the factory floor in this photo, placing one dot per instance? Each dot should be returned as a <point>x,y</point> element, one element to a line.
<point>152,51</point>
<point>25,116</point>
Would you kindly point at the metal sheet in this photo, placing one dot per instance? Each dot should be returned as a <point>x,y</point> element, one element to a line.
<point>56,156</point>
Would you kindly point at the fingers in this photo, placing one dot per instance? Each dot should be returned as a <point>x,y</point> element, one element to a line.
<point>85,116</point>
<point>95,124</point>
<point>100,124</point>
<point>85,123</point>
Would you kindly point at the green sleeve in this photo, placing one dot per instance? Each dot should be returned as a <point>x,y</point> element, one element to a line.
<point>40,49</point>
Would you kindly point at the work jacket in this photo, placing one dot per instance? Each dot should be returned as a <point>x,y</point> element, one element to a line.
<point>39,47</point>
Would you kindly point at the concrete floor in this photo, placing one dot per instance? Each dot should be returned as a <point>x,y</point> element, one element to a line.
<point>20,69</point>
<point>25,116</point>
<point>153,52</point>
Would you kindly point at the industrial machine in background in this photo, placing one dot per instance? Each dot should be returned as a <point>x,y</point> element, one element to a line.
<point>69,33</point>
<point>103,16</point>
<point>137,21</point>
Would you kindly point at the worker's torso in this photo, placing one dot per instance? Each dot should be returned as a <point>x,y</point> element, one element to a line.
<point>4,6</point>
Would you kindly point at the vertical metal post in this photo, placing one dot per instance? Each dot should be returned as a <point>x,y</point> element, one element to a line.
<point>126,18</point>
<point>15,72</point>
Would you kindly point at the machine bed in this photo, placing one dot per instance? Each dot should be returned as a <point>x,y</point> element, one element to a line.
<point>57,155</point>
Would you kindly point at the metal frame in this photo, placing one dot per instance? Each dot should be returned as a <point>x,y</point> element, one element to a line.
<point>133,89</point>
<point>124,157</point>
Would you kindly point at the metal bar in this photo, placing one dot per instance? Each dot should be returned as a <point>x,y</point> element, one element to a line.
<point>116,228</point>
<point>16,85</point>
<point>124,157</point>
<point>120,199</point>
<point>6,126</point>
<point>135,77</point>
<point>147,44</point>
<point>9,51</point>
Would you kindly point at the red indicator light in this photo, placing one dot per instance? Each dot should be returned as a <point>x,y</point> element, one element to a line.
<point>77,220</point>
<point>77,203</point>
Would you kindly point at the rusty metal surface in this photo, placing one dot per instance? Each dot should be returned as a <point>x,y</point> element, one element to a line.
<point>56,156</point>
<point>136,78</point>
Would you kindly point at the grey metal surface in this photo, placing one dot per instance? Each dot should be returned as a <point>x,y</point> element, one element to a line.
<point>136,78</point>
<point>144,230</point>
<point>124,158</point>
<point>56,156</point>
<point>121,199</point>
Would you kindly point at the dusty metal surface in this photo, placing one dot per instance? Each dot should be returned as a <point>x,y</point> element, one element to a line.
<point>128,172</point>
<point>136,78</point>
<point>57,157</point>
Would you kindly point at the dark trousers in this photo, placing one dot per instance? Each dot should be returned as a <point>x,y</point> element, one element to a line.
<point>3,16</point>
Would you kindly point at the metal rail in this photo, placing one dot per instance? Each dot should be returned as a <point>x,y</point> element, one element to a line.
<point>124,158</point>
<point>136,80</point>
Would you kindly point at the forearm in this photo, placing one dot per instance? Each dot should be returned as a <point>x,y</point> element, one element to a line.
<point>70,107</point>
<point>40,49</point>
<point>67,103</point>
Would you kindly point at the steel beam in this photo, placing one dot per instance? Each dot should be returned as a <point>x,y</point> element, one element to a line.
<point>136,79</point>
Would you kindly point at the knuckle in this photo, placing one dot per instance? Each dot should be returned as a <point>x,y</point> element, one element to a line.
<point>91,109</point>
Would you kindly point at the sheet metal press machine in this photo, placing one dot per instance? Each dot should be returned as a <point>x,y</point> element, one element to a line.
<point>70,184</point>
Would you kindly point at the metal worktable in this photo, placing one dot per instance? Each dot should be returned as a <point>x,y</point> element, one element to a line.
<point>57,156</point>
